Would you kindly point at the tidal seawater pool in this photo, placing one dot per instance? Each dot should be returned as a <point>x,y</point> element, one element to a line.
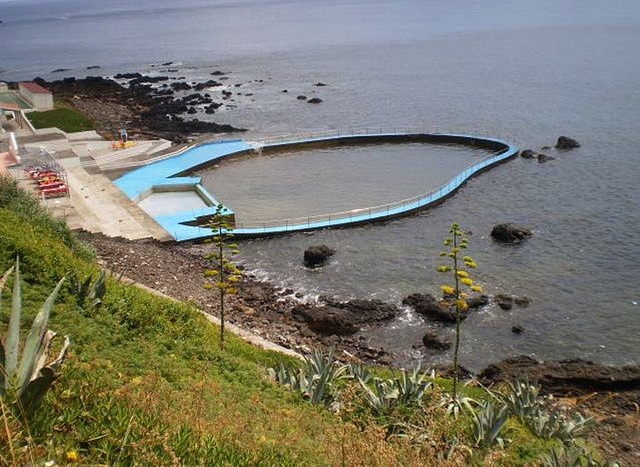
<point>300,183</point>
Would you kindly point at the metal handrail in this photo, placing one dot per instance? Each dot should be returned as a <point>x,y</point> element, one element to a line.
<point>372,211</point>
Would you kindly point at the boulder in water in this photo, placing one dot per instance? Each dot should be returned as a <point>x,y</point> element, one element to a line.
<point>509,233</point>
<point>564,142</point>
<point>431,340</point>
<point>544,158</point>
<point>317,255</point>
<point>504,301</point>
<point>428,306</point>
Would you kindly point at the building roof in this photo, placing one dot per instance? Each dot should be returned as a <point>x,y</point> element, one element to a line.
<point>9,106</point>
<point>34,88</point>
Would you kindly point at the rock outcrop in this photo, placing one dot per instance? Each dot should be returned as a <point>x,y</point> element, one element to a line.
<point>343,318</point>
<point>317,255</point>
<point>428,306</point>
<point>565,376</point>
<point>509,233</point>
<point>431,340</point>
<point>564,142</point>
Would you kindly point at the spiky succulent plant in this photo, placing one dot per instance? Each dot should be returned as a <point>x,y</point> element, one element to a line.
<point>26,378</point>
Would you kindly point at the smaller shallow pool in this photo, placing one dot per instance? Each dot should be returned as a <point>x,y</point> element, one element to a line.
<point>169,202</point>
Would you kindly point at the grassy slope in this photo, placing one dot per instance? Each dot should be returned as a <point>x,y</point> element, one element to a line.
<point>63,117</point>
<point>146,384</point>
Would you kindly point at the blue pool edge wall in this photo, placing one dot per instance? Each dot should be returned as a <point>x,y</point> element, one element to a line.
<point>137,183</point>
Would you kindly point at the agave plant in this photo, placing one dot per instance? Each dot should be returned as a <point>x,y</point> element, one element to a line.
<point>382,397</point>
<point>550,423</point>
<point>454,405</point>
<point>87,289</point>
<point>522,398</point>
<point>574,457</point>
<point>359,372</point>
<point>488,423</point>
<point>25,380</point>
<point>412,385</point>
<point>315,383</point>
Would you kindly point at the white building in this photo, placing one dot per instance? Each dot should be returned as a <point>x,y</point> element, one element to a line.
<point>39,97</point>
<point>3,86</point>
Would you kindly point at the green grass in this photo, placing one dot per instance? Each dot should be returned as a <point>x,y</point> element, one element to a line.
<point>146,384</point>
<point>65,118</point>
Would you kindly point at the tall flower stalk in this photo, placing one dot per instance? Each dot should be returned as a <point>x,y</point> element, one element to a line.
<point>461,279</point>
<point>224,274</point>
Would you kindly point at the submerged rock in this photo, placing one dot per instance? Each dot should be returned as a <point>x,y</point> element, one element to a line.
<point>478,302</point>
<point>504,301</point>
<point>509,233</point>
<point>544,158</point>
<point>317,255</point>
<point>314,100</point>
<point>302,97</point>
<point>564,142</point>
<point>528,154</point>
<point>431,340</point>
<point>517,329</point>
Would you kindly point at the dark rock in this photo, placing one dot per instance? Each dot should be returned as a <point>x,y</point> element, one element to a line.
<point>128,76</point>
<point>147,79</point>
<point>528,154</point>
<point>343,317</point>
<point>60,70</point>
<point>564,142</point>
<point>191,110</point>
<point>565,376</point>
<point>93,67</point>
<point>544,158</point>
<point>301,97</point>
<point>504,301</point>
<point>207,84</point>
<point>428,306</point>
<point>320,84</point>
<point>237,85</point>
<point>317,255</point>
<point>523,302</point>
<point>431,340</point>
<point>545,148</point>
<point>166,63</point>
<point>517,329</point>
<point>285,90</point>
<point>478,302</point>
<point>180,86</point>
<point>218,73</point>
<point>314,100</point>
<point>509,233</point>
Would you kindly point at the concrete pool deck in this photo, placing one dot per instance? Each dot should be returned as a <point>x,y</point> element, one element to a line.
<point>181,223</point>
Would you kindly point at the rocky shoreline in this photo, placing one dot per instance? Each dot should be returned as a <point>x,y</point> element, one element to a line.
<point>610,394</point>
<point>147,106</point>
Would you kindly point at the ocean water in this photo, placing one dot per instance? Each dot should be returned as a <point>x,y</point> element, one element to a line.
<point>525,71</point>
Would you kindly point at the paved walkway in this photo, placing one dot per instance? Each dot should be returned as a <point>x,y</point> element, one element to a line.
<point>95,203</point>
